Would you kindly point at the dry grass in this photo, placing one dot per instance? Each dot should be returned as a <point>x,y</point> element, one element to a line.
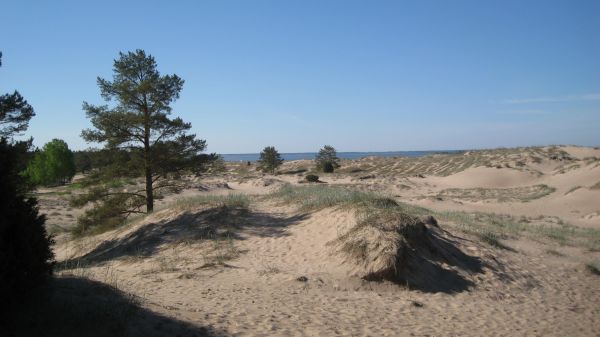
<point>448,164</point>
<point>231,200</point>
<point>593,267</point>
<point>379,243</point>
<point>491,228</point>
<point>508,227</point>
<point>515,194</point>
<point>573,189</point>
<point>315,197</point>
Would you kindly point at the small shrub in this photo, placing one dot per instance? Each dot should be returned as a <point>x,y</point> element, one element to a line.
<point>312,178</point>
<point>593,267</point>
<point>492,239</point>
<point>328,167</point>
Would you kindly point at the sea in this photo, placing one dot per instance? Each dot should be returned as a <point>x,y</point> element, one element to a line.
<point>233,157</point>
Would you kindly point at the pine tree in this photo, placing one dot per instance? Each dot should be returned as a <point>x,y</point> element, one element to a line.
<point>269,160</point>
<point>140,136</point>
<point>15,113</point>
<point>327,160</point>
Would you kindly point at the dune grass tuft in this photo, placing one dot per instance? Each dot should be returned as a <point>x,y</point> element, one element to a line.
<point>378,244</point>
<point>316,197</point>
<point>514,194</point>
<point>593,267</point>
<point>232,200</point>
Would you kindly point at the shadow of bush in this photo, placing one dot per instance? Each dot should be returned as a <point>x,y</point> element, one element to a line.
<point>77,307</point>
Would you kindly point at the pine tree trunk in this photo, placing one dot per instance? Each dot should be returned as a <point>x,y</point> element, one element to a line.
<point>149,194</point>
<point>148,169</point>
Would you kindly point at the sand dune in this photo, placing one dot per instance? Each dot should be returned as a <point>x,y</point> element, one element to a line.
<point>273,268</point>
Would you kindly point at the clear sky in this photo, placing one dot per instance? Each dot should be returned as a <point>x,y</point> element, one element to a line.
<point>359,75</point>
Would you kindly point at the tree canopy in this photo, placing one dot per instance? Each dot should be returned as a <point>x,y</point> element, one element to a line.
<point>15,113</point>
<point>269,160</point>
<point>53,165</point>
<point>140,135</point>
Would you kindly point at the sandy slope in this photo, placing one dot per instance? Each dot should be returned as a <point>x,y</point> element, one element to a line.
<point>278,276</point>
<point>257,294</point>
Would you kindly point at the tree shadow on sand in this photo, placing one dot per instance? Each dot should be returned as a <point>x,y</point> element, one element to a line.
<point>210,224</point>
<point>69,306</point>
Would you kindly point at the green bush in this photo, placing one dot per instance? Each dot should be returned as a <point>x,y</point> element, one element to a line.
<point>328,167</point>
<point>312,178</point>
<point>53,165</point>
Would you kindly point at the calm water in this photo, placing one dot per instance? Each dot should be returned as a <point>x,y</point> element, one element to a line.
<point>345,155</point>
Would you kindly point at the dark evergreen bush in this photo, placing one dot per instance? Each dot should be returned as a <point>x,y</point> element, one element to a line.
<point>312,178</point>
<point>328,167</point>
<point>25,255</point>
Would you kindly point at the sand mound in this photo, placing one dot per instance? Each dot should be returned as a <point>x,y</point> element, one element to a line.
<point>404,249</point>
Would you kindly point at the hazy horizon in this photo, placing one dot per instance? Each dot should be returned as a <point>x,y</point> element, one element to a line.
<point>376,77</point>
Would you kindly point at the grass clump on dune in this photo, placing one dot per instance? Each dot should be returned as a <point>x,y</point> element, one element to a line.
<point>316,197</point>
<point>232,200</point>
<point>389,244</point>
<point>593,267</point>
<point>489,226</point>
<point>390,241</point>
<point>514,194</point>
<point>379,242</point>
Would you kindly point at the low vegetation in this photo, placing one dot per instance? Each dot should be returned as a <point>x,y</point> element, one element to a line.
<point>573,189</point>
<point>316,197</point>
<point>491,228</point>
<point>232,200</point>
<point>509,227</point>
<point>593,267</point>
<point>514,194</point>
<point>312,178</point>
<point>379,241</point>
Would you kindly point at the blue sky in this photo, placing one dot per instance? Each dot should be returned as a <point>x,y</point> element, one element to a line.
<point>359,75</point>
